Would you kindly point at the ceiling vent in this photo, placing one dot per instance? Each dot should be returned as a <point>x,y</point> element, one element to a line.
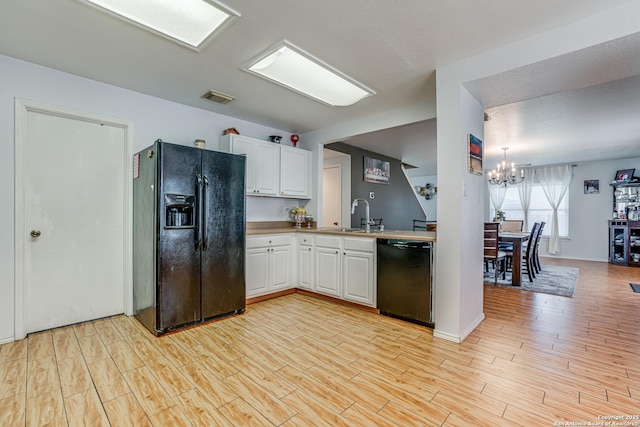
<point>219,97</point>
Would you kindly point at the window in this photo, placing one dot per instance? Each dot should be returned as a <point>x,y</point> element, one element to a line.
<point>539,209</point>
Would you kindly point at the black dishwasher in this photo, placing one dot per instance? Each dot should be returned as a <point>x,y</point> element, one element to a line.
<point>404,280</point>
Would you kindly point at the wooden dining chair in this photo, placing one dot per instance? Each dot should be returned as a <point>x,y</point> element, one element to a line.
<point>491,253</point>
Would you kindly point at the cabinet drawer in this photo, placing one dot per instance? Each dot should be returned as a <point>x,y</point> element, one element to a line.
<point>306,239</point>
<point>364,245</point>
<point>270,240</point>
<point>328,242</point>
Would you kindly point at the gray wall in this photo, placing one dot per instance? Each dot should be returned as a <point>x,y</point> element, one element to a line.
<point>394,202</point>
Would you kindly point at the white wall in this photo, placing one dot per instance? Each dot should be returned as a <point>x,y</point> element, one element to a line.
<point>452,277</point>
<point>589,213</point>
<point>152,118</point>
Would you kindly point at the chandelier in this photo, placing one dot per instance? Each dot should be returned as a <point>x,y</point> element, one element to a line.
<point>505,173</point>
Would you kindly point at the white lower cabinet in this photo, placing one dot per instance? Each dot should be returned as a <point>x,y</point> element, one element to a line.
<point>359,270</point>
<point>328,272</point>
<point>306,262</point>
<point>358,277</point>
<point>269,264</point>
<point>345,268</point>
<point>337,266</point>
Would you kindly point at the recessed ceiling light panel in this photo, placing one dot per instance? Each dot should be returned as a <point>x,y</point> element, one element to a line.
<point>295,69</point>
<point>191,23</point>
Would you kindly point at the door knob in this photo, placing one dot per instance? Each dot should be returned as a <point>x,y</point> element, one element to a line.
<point>35,233</point>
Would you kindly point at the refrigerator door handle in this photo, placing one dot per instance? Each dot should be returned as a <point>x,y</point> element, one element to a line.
<point>198,212</point>
<point>205,232</point>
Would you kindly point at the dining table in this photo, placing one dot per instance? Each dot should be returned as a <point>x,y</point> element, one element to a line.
<point>517,238</point>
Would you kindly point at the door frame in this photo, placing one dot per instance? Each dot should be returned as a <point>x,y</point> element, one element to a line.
<point>22,109</point>
<point>345,191</point>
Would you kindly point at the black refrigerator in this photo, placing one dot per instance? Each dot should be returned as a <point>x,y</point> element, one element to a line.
<point>188,235</point>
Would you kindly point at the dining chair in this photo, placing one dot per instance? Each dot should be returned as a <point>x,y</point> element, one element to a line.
<point>528,259</point>
<point>419,224</point>
<point>374,222</point>
<point>422,225</point>
<point>491,252</point>
<point>513,225</point>
<point>510,225</point>
<point>536,258</point>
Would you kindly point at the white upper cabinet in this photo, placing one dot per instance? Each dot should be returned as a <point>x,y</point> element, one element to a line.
<point>272,170</point>
<point>295,172</point>
<point>263,163</point>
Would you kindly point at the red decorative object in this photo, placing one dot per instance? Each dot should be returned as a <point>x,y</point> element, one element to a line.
<point>294,139</point>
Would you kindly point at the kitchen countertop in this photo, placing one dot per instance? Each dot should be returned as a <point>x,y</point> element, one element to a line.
<point>424,236</point>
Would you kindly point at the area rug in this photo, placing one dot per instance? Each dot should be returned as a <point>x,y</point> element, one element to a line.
<point>553,279</point>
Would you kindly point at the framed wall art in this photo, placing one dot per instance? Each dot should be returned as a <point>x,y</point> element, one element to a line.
<point>625,175</point>
<point>376,171</point>
<point>475,152</point>
<point>591,186</point>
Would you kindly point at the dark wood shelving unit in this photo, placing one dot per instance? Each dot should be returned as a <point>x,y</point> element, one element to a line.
<point>624,231</point>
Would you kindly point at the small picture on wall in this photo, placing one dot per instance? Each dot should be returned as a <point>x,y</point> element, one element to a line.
<point>376,171</point>
<point>475,150</point>
<point>625,175</point>
<point>591,186</point>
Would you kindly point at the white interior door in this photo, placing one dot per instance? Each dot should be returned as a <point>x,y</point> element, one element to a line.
<point>332,196</point>
<point>74,220</point>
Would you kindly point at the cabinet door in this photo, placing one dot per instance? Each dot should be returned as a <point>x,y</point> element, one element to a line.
<point>358,277</point>
<point>246,147</point>
<point>295,172</point>
<point>257,271</point>
<point>328,271</point>
<point>280,265</point>
<point>305,271</point>
<point>267,166</point>
<point>618,238</point>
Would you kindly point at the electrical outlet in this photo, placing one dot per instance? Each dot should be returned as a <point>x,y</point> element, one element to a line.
<point>372,195</point>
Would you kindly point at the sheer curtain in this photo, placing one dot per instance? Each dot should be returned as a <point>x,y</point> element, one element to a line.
<point>497,194</point>
<point>524,192</point>
<point>555,182</point>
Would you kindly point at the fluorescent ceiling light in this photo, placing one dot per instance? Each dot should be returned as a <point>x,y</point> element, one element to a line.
<point>189,22</point>
<point>295,69</point>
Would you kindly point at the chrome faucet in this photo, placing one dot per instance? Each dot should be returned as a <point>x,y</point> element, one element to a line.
<point>353,210</point>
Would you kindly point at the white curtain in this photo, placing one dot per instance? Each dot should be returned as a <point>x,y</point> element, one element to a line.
<point>524,192</point>
<point>555,182</point>
<point>497,194</point>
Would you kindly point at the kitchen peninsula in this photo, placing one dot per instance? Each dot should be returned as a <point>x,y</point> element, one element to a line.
<point>340,264</point>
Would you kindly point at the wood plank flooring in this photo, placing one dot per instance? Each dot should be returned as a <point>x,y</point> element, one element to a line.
<point>301,361</point>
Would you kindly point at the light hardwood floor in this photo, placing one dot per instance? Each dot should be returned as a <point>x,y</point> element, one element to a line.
<point>302,361</point>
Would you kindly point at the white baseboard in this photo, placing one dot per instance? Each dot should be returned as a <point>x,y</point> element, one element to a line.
<point>458,339</point>
<point>6,340</point>
<point>571,258</point>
